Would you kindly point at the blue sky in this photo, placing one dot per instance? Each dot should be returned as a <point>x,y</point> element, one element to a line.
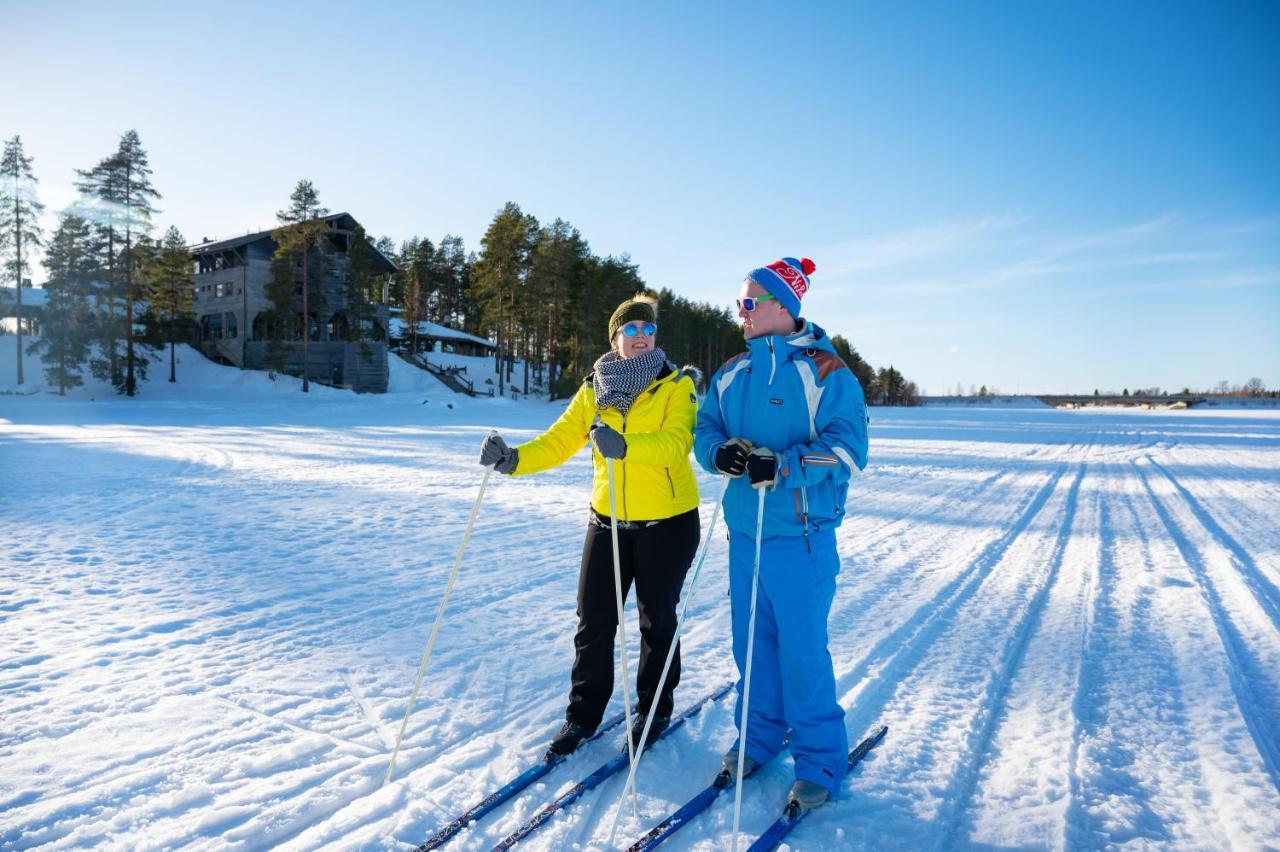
<point>1032,196</point>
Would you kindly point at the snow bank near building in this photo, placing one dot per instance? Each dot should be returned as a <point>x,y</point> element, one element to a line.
<point>406,378</point>
<point>197,377</point>
<point>481,372</point>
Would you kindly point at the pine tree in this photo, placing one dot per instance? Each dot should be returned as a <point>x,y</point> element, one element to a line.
<point>864,371</point>
<point>411,302</point>
<point>120,201</point>
<point>556,272</point>
<point>301,235</point>
<point>19,222</point>
<point>608,282</point>
<point>137,193</point>
<point>454,275</point>
<point>72,264</point>
<point>168,278</point>
<point>99,204</point>
<point>499,279</point>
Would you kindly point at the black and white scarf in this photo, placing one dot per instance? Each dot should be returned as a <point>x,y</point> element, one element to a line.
<point>618,381</point>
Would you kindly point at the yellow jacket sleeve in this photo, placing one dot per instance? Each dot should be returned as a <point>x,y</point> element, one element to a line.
<point>565,437</point>
<point>670,443</point>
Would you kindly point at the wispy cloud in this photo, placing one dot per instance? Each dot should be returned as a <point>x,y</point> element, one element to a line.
<point>1224,281</point>
<point>905,247</point>
<point>1168,249</point>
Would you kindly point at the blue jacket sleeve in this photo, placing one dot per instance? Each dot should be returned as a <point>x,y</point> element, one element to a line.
<point>840,448</point>
<point>708,433</point>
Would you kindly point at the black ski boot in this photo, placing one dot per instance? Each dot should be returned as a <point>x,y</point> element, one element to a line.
<point>660,724</point>
<point>569,738</point>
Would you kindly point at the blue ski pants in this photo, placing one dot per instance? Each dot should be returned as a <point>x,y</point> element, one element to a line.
<point>792,680</point>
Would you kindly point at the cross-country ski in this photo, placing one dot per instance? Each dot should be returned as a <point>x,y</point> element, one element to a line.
<point>599,776</point>
<point>508,791</point>
<point>793,813</point>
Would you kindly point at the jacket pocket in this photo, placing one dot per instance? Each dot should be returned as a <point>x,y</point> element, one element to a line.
<point>822,504</point>
<point>671,483</point>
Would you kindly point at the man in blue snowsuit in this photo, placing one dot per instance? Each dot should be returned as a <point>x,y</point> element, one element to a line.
<point>790,414</point>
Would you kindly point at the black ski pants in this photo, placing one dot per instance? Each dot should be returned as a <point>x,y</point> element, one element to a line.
<point>656,558</point>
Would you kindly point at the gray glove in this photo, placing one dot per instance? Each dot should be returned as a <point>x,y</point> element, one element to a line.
<point>495,452</point>
<point>609,442</point>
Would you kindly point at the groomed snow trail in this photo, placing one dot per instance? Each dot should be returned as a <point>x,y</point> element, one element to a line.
<point>211,610</point>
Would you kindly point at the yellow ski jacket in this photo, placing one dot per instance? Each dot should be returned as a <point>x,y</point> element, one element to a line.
<point>655,480</point>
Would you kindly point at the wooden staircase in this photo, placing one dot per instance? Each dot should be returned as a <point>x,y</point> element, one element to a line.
<point>452,379</point>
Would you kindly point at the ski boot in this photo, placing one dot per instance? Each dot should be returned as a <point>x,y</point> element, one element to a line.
<point>660,724</point>
<point>569,738</point>
<point>729,767</point>
<point>806,794</point>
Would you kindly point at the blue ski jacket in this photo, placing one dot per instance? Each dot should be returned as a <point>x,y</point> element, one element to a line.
<point>792,394</point>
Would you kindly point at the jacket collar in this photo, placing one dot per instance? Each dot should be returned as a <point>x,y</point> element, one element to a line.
<point>810,336</point>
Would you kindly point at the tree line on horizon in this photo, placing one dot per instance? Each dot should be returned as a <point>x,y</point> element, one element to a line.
<point>1255,388</point>
<point>544,297</point>
<point>115,295</point>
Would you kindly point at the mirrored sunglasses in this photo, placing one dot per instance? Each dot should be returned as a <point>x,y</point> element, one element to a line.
<point>648,328</point>
<point>750,302</point>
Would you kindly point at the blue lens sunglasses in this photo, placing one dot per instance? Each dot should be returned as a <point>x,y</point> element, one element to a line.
<point>750,303</point>
<point>648,328</point>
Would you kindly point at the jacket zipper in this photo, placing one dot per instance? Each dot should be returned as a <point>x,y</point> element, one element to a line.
<point>804,501</point>
<point>670,482</point>
<point>773,360</point>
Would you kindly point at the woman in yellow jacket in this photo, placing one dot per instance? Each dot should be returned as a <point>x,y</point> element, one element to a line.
<point>638,409</point>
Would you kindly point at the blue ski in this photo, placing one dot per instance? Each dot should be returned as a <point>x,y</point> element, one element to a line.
<point>508,791</point>
<point>681,817</point>
<point>598,777</point>
<point>793,814</point>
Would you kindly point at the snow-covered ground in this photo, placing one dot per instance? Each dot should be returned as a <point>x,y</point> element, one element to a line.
<point>213,603</point>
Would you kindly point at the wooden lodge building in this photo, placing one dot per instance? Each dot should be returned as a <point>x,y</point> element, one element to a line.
<point>33,301</point>
<point>231,306</point>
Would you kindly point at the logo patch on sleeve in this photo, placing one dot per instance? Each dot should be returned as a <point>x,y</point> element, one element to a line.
<point>775,401</point>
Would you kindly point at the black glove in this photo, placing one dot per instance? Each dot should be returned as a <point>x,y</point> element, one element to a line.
<point>731,456</point>
<point>495,452</point>
<point>762,467</point>
<point>609,442</point>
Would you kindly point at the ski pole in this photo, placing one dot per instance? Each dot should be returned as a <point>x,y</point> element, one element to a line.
<point>671,653</point>
<point>622,630</point>
<point>435,628</point>
<point>746,685</point>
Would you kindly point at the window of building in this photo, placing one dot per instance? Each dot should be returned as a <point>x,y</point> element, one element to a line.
<point>229,324</point>
<point>211,327</point>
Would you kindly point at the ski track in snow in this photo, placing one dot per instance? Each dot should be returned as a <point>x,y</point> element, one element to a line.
<point>211,614</point>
